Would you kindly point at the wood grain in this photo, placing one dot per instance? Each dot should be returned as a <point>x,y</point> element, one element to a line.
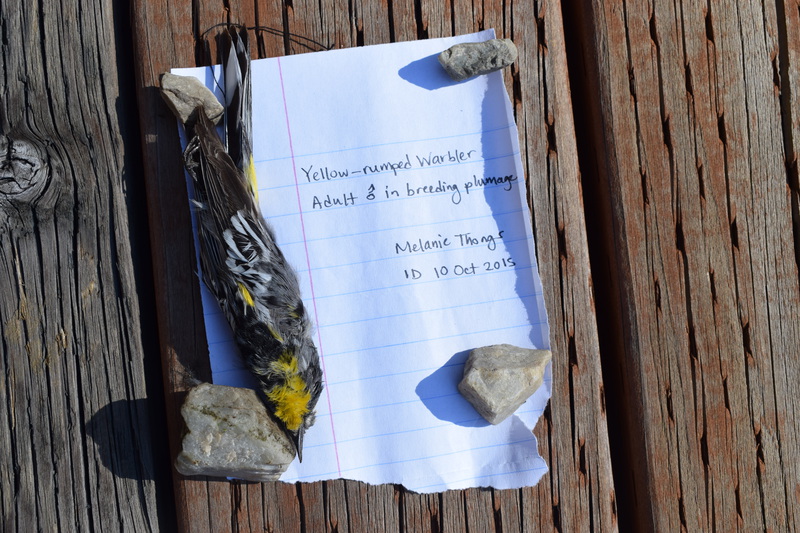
<point>75,441</point>
<point>677,124</point>
<point>578,494</point>
<point>695,135</point>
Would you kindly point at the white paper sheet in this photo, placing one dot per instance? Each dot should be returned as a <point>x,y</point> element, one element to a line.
<point>399,197</point>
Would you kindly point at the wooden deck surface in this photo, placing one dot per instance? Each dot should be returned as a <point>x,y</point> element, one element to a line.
<point>660,142</point>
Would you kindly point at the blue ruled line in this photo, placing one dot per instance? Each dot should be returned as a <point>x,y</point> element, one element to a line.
<point>389,143</point>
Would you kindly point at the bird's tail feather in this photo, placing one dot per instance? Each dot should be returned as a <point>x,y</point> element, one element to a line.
<point>238,104</point>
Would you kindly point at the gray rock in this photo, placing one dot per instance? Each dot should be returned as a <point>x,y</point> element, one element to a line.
<point>466,60</point>
<point>498,379</point>
<point>184,94</point>
<point>230,434</point>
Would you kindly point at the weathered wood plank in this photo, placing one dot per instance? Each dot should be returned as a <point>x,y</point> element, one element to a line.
<point>282,509</point>
<point>75,451</point>
<point>507,510</point>
<point>453,514</point>
<point>694,136</point>
<point>479,509</point>
<point>578,494</point>
<point>422,512</point>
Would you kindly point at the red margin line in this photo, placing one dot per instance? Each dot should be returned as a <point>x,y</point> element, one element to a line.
<point>308,264</point>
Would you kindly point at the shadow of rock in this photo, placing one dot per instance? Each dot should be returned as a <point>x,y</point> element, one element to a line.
<point>426,73</point>
<point>120,432</point>
<point>439,393</point>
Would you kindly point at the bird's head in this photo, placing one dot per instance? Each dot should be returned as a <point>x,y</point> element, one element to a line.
<point>295,387</point>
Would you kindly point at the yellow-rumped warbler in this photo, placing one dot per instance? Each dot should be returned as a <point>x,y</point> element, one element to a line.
<point>240,261</point>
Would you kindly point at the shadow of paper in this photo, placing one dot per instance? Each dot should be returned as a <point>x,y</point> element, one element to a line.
<point>439,393</point>
<point>426,73</point>
<point>505,198</point>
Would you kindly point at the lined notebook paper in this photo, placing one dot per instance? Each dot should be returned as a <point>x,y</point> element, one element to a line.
<point>399,197</point>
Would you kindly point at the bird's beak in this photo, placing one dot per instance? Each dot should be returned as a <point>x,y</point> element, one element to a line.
<point>298,442</point>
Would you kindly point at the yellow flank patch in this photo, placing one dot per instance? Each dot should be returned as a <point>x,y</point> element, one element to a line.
<point>246,296</point>
<point>251,177</point>
<point>290,396</point>
<point>274,333</point>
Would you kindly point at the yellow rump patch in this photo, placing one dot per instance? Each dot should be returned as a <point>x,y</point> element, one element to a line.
<point>274,333</point>
<point>285,366</point>
<point>290,396</point>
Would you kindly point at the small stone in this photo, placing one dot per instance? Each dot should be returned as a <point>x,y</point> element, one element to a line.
<point>498,379</point>
<point>184,94</point>
<point>466,60</point>
<point>230,434</point>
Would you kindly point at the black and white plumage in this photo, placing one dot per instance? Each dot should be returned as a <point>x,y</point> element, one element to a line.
<point>240,262</point>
